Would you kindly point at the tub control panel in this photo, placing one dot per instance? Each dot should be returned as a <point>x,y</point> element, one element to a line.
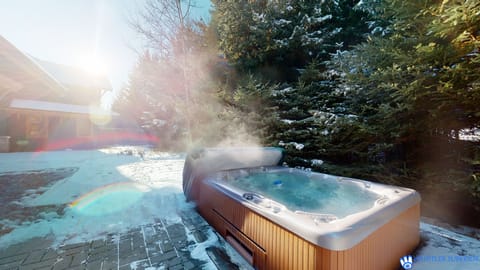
<point>262,202</point>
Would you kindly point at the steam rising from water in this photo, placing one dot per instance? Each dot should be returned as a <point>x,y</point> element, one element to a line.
<point>180,73</point>
<point>214,124</point>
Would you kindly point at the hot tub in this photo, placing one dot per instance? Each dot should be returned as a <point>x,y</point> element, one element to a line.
<point>284,218</point>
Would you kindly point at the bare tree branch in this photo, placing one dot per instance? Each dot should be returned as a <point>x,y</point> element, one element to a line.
<point>168,29</point>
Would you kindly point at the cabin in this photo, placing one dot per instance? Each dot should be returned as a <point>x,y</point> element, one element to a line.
<point>45,105</point>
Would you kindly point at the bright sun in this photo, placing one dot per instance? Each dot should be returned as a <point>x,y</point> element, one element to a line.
<point>93,65</point>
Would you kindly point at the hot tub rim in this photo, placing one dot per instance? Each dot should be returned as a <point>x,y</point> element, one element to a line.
<point>342,234</point>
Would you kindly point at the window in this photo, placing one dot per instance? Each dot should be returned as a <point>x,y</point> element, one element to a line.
<point>36,126</point>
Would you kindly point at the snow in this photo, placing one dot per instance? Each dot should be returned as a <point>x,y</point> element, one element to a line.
<point>119,188</point>
<point>295,32</point>
<point>297,146</point>
<point>377,29</point>
<point>159,122</point>
<point>309,40</point>
<point>446,250</point>
<point>198,251</point>
<point>287,121</point>
<point>336,31</point>
<point>112,190</point>
<point>326,118</point>
<point>56,107</point>
<point>282,22</point>
<point>359,3</point>
<point>469,135</point>
<point>281,43</point>
<point>316,162</point>
<point>259,17</point>
<point>322,18</point>
<point>282,91</point>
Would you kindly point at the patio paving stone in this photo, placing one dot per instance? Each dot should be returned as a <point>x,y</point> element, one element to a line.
<point>152,246</point>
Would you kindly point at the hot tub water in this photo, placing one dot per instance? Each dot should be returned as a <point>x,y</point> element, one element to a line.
<point>304,193</point>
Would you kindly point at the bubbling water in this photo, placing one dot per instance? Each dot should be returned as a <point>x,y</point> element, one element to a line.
<point>300,191</point>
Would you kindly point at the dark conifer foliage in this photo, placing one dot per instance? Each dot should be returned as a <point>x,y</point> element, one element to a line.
<point>290,44</point>
<point>378,89</point>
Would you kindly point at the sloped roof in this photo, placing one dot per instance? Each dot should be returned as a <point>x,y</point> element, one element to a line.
<point>21,77</point>
<point>26,77</point>
<point>74,77</point>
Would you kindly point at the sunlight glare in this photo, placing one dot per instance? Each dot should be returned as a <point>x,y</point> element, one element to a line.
<point>93,65</point>
<point>100,116</point>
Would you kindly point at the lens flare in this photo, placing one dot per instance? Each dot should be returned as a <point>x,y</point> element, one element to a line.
<point>109,199</point>
<point>99,116</point>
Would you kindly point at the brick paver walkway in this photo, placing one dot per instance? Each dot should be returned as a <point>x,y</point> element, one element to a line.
<point>154,246</point>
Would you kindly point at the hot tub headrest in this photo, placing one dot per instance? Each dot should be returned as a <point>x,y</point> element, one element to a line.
<point>201,162</point>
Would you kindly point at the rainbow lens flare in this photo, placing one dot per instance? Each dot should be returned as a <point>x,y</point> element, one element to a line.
<point>109,199</point>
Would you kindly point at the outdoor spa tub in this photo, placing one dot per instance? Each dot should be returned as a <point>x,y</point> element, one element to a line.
<point>285,218</point>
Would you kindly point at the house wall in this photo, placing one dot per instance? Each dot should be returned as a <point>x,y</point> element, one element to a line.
<point>45,130</point>
<point>33,130</point>
<point>3,123</point>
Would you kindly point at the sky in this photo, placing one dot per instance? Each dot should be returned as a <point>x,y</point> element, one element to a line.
<point>90,34</point>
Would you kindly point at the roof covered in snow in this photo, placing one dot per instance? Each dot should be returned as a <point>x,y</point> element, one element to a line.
<point>55,107</point>
<point>21,77</point>
<point>25,77</point>
<point>73,77</point>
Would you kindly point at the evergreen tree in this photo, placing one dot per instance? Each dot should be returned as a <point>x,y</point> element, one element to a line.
<point>273,39</point>
<point>421,79</point>
<point>289,43</point>
<point>414,84</point>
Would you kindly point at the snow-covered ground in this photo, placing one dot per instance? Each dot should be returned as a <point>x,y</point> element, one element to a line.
<point>119,188</point>
<point>113,189</point>
<point>446,250</point>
